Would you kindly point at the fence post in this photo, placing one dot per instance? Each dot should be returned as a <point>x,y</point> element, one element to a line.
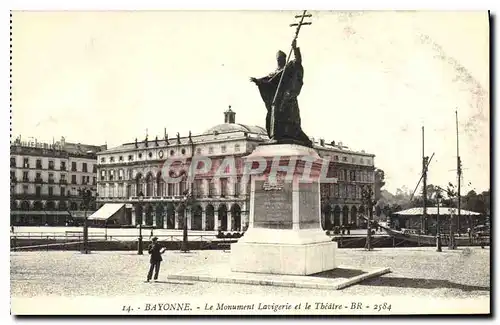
<point>47,243</point>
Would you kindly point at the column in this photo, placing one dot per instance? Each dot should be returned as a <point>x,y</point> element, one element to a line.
<point>203,219</point>
<point>189,218</point>
<point>216,220</point>
<point>229,221</point>
<point>342,218</point>
<point>144,216</point>
<point>165,218</point>
<point>154,216</point>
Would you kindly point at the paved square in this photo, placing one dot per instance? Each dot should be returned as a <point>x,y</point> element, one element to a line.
<point>463,273</point>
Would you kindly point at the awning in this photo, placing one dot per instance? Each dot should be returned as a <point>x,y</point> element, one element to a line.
<point>107,211</point>
<point>444,211</point>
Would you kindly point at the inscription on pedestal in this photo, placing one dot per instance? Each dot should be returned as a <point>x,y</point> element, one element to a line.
<point>273,206</point>
<point>309,206</point>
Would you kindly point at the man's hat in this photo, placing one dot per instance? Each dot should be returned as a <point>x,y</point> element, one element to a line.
<point>154,238</point>
<point>280,54</point>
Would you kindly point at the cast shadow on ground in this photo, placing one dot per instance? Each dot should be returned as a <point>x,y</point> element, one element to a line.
<point>173,282</point>
<point>339,273</point>
<point>420,284</point>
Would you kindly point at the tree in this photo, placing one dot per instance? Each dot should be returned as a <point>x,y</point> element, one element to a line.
<point>379,183</point>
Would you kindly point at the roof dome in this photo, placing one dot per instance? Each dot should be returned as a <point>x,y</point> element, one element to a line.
<point>234,127</point>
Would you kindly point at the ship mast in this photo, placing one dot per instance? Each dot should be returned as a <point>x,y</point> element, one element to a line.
<point>459,175</point>
<point>424,184</point>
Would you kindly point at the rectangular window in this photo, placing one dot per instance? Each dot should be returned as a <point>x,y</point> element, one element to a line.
<point>38,164</point>
<point>237,185</point>
<point>25,189</point>
<point>170,188</point>
<point>111,175</point>
<point>26,163</point>
<point>223,187</point>
<point>12,175</point>
<point>38,191</point>
<point>51,178</point>
<point>51,164</point>
<point>103,175</point>
<point>120,174</point>
<point>237,147</point>
<point>12,161</point>
<point>211,188</point>
<point>94,168</point>
<point>73,179</point>
<point>63,191</point>
<point>73,166</point>
<point>63,165</point>
<point>26,177</point>
<point>94,181</point>
<point>210,150</point>
<point>51,191</point>
<point>38,177</point>
<point>198,187</point>
<point>336,190</point>
<point>84,167</point>
<point>83,180</point>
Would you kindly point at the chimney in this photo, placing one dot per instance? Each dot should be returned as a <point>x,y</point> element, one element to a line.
<point>322,142</point>
<point>229,116</point>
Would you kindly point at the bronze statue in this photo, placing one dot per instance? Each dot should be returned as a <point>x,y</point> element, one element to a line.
<point>287,127</point>
<point>178,138</point>
<point>190,139</point>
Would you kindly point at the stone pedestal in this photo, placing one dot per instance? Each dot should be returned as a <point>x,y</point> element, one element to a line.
<point>284,234</point>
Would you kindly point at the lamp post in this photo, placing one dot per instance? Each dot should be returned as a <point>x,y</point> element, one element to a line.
<point>86,196</point>
<point>367,193</point>
<point>186,201</point>
<point>139,242</point>
<point>438,225</point>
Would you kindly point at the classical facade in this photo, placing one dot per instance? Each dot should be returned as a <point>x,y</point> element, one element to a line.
<point>131,174</point>
<point>46,180</point>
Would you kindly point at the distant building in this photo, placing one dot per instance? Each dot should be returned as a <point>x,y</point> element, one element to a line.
<point>412,218</point>
<point>135,168</point>
<point>45,180</point>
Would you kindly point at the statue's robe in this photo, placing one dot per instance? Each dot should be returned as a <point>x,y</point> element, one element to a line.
<point>287,127</point>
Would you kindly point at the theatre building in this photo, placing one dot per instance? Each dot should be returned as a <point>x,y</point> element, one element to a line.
<point>46,180</point>
<point>130,180</point>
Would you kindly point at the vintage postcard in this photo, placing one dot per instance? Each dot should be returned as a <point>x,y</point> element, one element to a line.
<point>216,163</point>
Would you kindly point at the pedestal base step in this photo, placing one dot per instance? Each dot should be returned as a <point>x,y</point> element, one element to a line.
<point>335,279</point>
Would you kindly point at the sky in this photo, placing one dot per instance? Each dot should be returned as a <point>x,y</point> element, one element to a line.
<point>372,80</point>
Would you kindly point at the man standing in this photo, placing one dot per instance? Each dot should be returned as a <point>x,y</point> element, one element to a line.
<point>155,250</point>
